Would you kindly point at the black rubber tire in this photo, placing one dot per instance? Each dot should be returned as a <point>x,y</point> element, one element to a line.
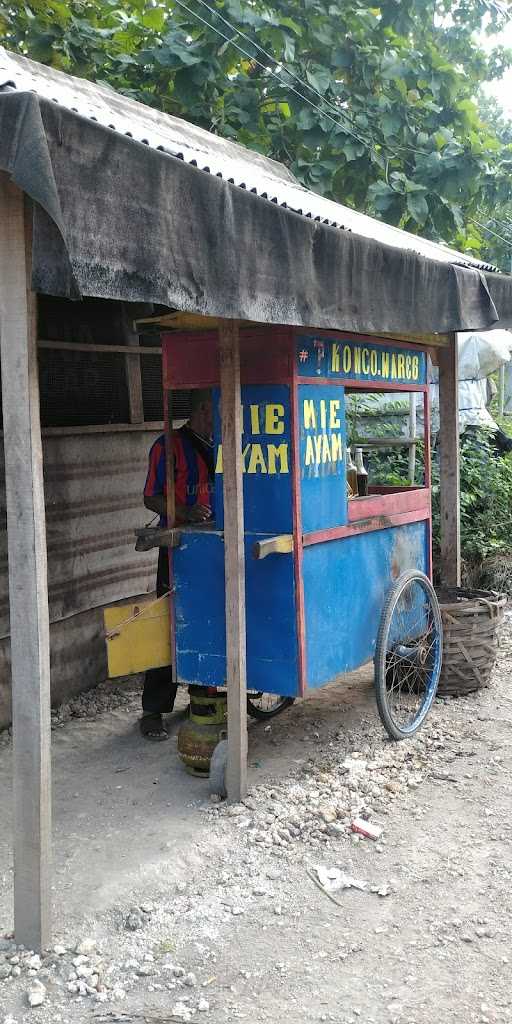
<point>263,716</point>
<point>392,598</point>
<point>218,764</point>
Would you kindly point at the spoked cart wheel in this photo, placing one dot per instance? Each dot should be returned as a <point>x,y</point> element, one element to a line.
<point>266,705</point>
<point>408,655</point>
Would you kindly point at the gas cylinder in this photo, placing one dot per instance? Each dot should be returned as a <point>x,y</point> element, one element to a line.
<point>203,729</point>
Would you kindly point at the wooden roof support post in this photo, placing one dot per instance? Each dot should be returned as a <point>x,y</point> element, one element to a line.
<point>234,559</point>
<point>28,589</point>
<point>449,464</point>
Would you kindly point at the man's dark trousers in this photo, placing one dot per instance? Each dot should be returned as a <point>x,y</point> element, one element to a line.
<point>159,692</point>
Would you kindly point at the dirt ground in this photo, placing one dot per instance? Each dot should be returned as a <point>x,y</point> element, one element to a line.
<point>192,912</point>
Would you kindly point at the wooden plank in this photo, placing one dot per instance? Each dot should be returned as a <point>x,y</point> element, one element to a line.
<point>71,346</point>
<point>501,390</point>
<point>449,464</point>
<point>234,559</point>
<point>132,368</point>
<point>387,442</point>
<point>187,322</point>
<point>431,340</point>
<point>412,433</point>
<point>28,588</point>
<point>149,427</point>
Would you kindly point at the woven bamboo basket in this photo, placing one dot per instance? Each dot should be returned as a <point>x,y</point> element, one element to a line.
<point>471,623</point>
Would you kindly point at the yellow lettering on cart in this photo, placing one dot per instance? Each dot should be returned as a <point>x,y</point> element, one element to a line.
<point>373,363</point>
<point>255,419</point>
<point>385,365</point>
<point>310,452</point>
<point>326,451</point>
<point>336,448</point>
<point>357,360</point>
<point>244,457</point>
<point>335,358</point>
<point>408,367</point>
<point>218,463</point>
<point>347,359</point>
<point>309,413</point>
<point>274,419</point>
<point>278,452</point>
<point>415,367</point>
<point>393,366</point>
<point>317,441</point>
<point>401,366</point>
<point>334,410</point>
<point>257,460</point>
<point>365,356</point>
<point>323,414</point>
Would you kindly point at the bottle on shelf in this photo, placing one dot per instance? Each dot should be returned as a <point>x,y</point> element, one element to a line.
<point>362,474</point>
<point>351,476</point>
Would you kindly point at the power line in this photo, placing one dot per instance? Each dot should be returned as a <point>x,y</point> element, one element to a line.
<point>508,241</point>
<point>303,84</point>
<point>275,61</point>
<point>251,57</point>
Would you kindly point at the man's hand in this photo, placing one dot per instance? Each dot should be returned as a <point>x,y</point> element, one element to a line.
<point>198,514</point>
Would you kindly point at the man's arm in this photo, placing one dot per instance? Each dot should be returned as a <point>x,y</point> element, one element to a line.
<point>184,514</point>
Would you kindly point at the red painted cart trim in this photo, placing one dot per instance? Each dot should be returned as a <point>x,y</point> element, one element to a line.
<point>384,522</point>
<point>389,502</point>
<point>194,361</point>
<point>428,473</point>
<point>172,607</point>
<point>297,533</point>
<point>362,385</point>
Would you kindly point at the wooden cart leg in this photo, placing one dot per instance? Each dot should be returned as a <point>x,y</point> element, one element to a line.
<point>234,559</point>
<point>28,588</point>
<point>449,463</point>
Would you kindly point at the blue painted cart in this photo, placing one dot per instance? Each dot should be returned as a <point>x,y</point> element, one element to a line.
<point>331,583</point>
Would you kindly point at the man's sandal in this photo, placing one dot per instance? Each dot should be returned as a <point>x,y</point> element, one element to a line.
<point>152,728</point>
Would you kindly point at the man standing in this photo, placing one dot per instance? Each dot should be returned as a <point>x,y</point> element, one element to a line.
<point>193,488</point>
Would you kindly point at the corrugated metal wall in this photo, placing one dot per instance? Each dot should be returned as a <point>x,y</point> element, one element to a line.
<point>93,486</point>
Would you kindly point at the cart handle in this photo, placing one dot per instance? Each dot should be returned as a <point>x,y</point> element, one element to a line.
<point>281,545</point>
<point>157,537</point>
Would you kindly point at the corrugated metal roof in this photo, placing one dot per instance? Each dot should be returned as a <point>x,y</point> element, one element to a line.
<point>236,164</point>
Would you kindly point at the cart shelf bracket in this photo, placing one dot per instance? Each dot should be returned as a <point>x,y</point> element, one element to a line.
<point>281,545</point>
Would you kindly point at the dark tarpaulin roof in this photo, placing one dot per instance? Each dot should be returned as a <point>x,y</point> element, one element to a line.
<point>116,218</point>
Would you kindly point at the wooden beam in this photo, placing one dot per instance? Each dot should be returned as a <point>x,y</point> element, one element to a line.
<point>234,559</point>
<point>28,588</point>
<point>449,464</point>
<point>412,433</point>
<point>79,346</point>
<point>133,368</point>
<point>430,340</point>
<point>149,426</point>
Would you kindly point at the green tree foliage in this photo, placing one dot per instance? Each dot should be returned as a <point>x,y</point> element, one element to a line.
<point>399,133</point>
<point>493,220</point>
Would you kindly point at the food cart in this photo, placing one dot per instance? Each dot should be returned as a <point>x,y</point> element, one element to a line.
<point>331,580</point>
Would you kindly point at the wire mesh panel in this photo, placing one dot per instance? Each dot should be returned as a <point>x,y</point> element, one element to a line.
<point>82,388</point>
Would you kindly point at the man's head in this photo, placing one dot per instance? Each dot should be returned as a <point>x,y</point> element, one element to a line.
<point>201,412</point>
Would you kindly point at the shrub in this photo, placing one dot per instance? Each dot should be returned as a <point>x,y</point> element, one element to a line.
<point>485,505</point>
<point>485,501</point>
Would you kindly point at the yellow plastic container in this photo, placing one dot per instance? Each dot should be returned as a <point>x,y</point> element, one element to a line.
<point>138,637</point>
